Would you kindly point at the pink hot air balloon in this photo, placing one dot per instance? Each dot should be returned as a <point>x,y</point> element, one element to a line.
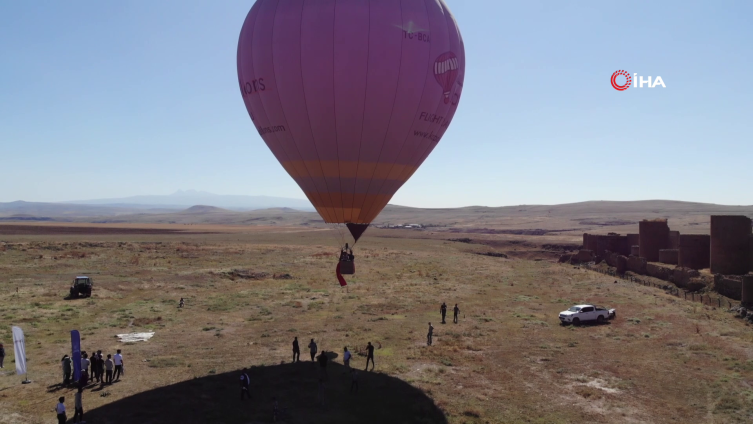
<point>345,94</point>
<point>446,72</point>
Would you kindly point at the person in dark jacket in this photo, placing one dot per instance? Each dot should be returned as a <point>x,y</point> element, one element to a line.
<point>296,351</point>
<point>455,312</point>
<point>323,365</point>
<point>245,384</point>
<point>2,355</point>
<point>66,361</point>
<point>78,406</point>
<point>100,367</point>
<point>370,356</point>
<point>443,311</point>
<point>94,367</point>
<point>353,380</point>
<point>312,349</point>
<point>84,380</point>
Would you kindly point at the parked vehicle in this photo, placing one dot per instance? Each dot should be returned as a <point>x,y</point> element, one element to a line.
<point>584,313</point>
<point>82,287</point>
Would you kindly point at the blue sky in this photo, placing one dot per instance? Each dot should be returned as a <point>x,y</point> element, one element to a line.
<point>109,99</point>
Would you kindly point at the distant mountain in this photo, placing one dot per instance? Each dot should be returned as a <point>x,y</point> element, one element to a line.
<point>573,218</point>
<point>182,199</point>
<point>202,209</point>
<point>36,210</point>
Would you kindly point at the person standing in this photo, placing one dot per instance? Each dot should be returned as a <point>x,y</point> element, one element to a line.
<point>100,367</point>
<point>78,414</point>
<point>296,351</point>
<point>118,359</point>
<point>346,357</point>
<point>66,370</point>
<point>455,312</point>
<point>60,411</point>
<point>109,364</point>
<point>428,336</point>
<point>370,356</point>
<point>94,367</point>
<point>84,379</point>
<point>443,311</point>
<point>323,365</point>
<point>245,384</point>
<point>312,349</point>
<point>353,380</point>
<point>2,355</point>
<point>85,363</point>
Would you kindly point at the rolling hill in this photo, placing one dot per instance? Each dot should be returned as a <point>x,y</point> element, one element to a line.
<point>571,219</point>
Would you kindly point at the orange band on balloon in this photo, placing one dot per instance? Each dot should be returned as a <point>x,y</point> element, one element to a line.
<point>336,210</point>
<point>347,169</point>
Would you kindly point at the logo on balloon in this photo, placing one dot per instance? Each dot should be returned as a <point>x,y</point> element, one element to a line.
<point>252,87</point>
<point>446,72</point>
<point>618,87</point>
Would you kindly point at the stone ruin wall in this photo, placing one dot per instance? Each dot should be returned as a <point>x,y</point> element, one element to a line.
<point>730,244</point>
<point>695,250</point>
<point>730,286</point>
<point>654,236</point>
<point>633,239</point>
<point>747,291</point>
<point>727,251</point>
<point>669,256</point>
<point>674,240</point>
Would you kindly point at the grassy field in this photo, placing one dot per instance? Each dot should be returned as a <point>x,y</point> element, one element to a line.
<point>249,291</point>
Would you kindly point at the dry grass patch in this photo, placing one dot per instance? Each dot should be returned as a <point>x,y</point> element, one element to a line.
<point>507,360</point>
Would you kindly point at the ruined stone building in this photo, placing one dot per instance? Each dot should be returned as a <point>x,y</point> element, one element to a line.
<point>727,254</point>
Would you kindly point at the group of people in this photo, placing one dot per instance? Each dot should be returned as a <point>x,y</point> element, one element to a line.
<point>455,312</point>
<point>95,368</point>
<point>443,312</point>
<point>313,349</point>
<point>322,360</point>
<point>347,255</point>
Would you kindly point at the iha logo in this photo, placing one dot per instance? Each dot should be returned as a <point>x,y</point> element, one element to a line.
<point>617,78</point>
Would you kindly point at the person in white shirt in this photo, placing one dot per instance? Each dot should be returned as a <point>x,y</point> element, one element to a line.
<point>85,363</point>
<point>108,369</point>
<point>346,358</point>
<point>60,411</point>
<point>118,358</point>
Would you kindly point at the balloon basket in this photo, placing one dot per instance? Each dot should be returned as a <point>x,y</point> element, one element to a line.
<point>347,268</point>
<point>26,382</point>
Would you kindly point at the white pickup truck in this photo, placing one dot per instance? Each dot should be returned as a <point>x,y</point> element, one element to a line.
<point>582,313</point>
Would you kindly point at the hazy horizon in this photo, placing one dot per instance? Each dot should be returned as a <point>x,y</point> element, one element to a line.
<point>201,192</point>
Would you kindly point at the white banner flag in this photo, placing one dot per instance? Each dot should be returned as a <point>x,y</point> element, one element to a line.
<point>19,344</point>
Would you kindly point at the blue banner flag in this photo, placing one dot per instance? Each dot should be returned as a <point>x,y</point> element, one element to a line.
<point>76,354</point>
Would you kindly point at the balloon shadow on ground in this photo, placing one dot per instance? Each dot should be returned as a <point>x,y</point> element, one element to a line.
<point>217,399</point>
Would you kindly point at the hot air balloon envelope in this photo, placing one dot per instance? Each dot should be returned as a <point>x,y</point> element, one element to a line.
<point>350,96</point>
